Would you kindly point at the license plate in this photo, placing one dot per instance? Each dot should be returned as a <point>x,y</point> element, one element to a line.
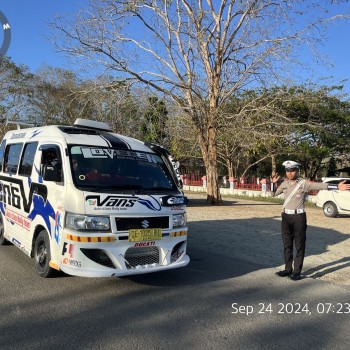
<point>147,234</point>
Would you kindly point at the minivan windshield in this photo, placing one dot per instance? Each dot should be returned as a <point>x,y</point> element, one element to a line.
<point>100,168</point>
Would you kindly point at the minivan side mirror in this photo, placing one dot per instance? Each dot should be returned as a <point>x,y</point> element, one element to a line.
<point>51,173</point>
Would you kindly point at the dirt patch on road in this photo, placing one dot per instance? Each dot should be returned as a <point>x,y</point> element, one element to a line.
<point>250,230</point>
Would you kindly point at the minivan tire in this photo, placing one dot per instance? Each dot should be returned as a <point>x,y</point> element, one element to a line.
<point>3,240</point>
<point>42,255</point>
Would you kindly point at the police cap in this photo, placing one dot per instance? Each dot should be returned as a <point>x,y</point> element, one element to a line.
<point>290,164</point>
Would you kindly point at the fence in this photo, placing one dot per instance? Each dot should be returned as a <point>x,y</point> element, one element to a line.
<point>253,183</point>
<point>249,184</point>
<point>192,180</point>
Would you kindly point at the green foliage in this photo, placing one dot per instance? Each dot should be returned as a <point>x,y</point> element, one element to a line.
<point>306,123</point>
<point>15,88</point>
<point>154,121</point>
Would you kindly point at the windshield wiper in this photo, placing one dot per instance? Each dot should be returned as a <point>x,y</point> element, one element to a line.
<point>120,187</point>
<point>127,187</point>
<point>155,189</point>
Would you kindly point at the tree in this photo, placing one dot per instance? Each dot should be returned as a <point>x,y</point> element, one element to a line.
<point>254,129</point>
<point>307,122</point>
<point>154,121</point>
<point>324,129</point>
<point>53,99</point>
<point>59,96</point>
<point>197,53</point>
<point>15,81</point>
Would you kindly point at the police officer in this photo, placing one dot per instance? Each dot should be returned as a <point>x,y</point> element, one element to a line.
<point>294,224</point>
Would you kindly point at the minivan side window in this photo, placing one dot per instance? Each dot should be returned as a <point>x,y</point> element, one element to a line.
<point>27,159</point>
<point>51,163</point>
<point>2,152</point>
<point>12,155</point>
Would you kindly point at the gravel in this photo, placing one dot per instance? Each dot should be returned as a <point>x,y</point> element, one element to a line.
<point>250,230</point>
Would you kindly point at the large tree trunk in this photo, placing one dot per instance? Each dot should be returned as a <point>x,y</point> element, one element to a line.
<point>229,166</point>
<point>209,151</point>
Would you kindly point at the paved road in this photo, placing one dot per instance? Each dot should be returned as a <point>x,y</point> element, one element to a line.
<point>220,301</point>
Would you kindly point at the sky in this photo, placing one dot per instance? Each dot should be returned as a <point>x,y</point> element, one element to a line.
<point>29,20</point>
<point>30,46</point>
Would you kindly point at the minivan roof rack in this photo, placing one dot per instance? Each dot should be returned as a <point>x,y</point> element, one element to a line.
<point>5,122</point>
<point>92,124</point>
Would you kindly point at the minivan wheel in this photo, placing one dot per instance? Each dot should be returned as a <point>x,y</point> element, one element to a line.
<point>42,255</point>
<point>330,210</point>
<point>3,240</point>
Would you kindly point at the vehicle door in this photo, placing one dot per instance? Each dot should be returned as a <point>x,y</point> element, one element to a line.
<point>11,190</point>
<point>51,203</point>
<point>342,198</point>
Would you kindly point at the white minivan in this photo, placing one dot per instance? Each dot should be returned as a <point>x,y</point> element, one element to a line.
<point>89,202</point>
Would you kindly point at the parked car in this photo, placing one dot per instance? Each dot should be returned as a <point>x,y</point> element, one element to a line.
<point>334,202</point>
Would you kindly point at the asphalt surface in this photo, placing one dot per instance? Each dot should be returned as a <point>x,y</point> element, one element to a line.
<point>219,301</point>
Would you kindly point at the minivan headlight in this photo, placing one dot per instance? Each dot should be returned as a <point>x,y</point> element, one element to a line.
<point>179,220</point>
<point>85,222</point>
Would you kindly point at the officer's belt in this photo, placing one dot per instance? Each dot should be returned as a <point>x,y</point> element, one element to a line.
<point>296,211</point>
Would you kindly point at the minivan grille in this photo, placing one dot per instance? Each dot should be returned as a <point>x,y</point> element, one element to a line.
<point>141,256</point>
<point>125,224</point>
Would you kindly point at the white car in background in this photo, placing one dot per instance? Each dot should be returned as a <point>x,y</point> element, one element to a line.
<point>334,202</point>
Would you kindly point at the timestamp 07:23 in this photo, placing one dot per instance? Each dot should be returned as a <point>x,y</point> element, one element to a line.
<point>291,308</point>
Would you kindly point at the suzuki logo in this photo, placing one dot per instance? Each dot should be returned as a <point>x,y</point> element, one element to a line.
<point>145,223</point>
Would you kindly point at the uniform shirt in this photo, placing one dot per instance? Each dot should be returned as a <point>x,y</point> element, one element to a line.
<point>298,199</point>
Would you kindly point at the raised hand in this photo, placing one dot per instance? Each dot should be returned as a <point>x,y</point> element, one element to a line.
<point>342,186</point>
<point>274,177</point>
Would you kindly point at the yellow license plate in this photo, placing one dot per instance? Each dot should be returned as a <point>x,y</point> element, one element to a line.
<point>147,234</point>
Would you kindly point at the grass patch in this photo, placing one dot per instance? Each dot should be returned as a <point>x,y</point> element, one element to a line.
<point>255,198</point>
<point>258,198</point>
<point>265,199</point>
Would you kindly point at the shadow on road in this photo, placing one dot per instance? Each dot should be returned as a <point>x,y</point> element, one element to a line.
<point>223,249</point>
<point>181,306</point>
<point>204,267</point>
<point>324,269</point>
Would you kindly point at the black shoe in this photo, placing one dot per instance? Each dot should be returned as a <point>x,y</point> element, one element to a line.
<point>295,277</point>
<point>284,273</point>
